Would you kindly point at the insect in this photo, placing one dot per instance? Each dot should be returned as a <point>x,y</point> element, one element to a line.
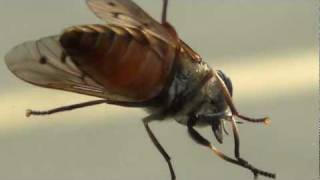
<point>134,61</point>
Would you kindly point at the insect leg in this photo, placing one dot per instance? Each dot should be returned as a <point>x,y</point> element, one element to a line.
<point>233,109</point>
<point>30,112</point>
<point>164,11</point>
<point>158,145</point>
<point>235,131</point>
<point>85,104</point>
<point>240,162</point>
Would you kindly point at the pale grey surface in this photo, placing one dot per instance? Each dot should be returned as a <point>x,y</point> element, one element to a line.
<point>110,143</point>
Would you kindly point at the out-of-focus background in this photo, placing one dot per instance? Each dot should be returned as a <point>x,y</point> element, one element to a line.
<point>268,48</point>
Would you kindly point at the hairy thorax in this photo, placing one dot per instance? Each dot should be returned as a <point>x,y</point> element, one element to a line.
<point>190,93</point>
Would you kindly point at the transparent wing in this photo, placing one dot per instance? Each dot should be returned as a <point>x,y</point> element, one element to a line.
<point>126,13</point>
<point>42,63</point>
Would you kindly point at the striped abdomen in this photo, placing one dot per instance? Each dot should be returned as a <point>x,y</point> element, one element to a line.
<point>124,61</point>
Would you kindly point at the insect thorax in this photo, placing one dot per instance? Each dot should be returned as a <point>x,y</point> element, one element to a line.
<point>184,96</point>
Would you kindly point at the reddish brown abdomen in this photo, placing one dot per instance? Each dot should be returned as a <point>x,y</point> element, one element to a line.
<point>121,60</point>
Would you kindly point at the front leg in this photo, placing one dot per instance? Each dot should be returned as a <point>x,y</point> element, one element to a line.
<point>228,99</point>
<point>197,137</point>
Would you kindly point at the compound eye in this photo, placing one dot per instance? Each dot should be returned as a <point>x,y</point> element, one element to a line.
<point>227,81</point>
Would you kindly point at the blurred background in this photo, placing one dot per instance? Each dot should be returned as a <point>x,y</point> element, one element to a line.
<point>268,48</point>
